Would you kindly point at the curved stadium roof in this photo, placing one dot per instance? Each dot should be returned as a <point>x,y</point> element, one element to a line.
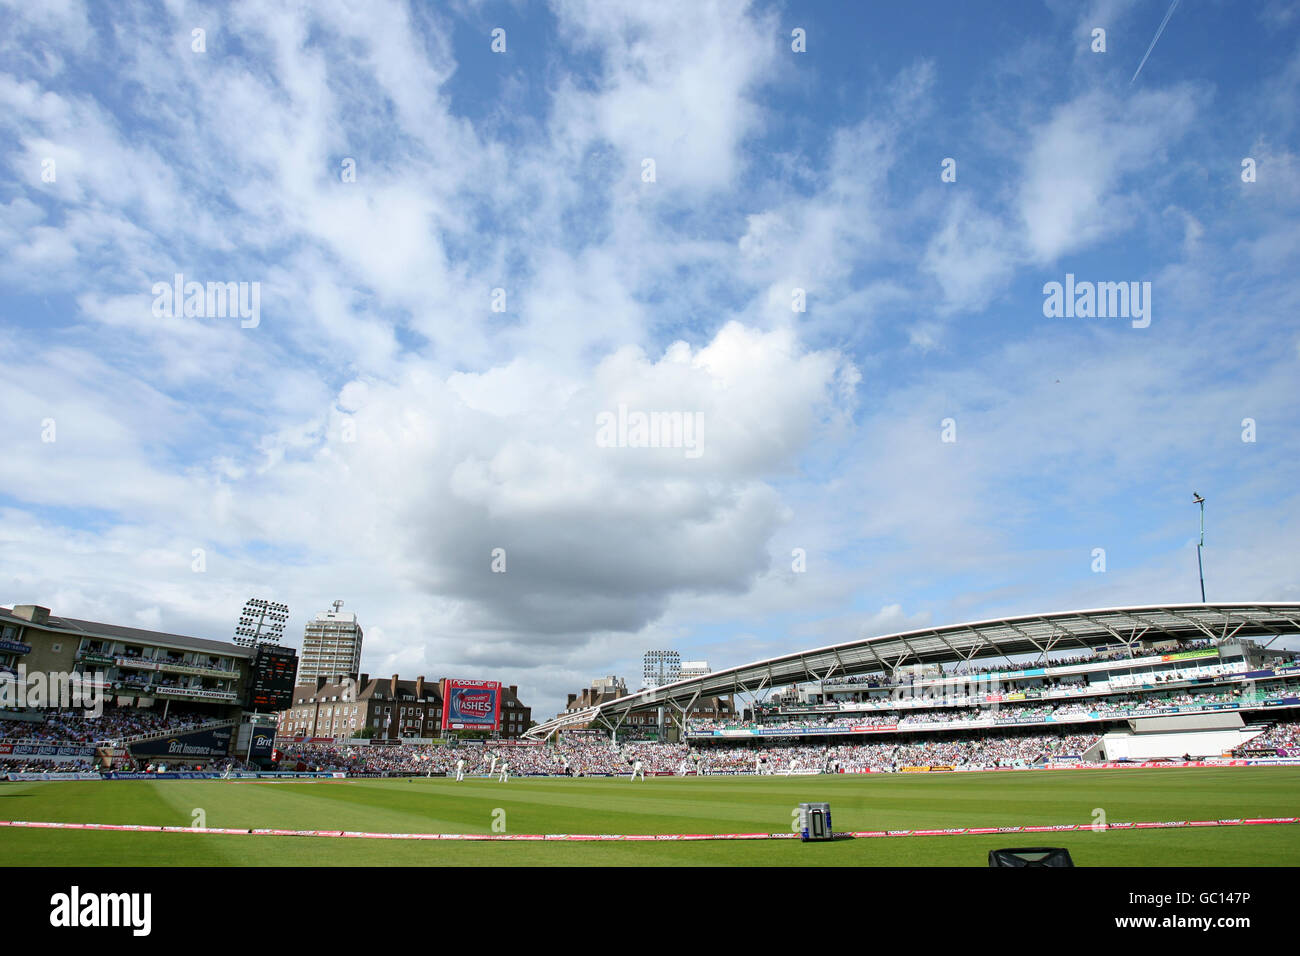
<point>999,638</point>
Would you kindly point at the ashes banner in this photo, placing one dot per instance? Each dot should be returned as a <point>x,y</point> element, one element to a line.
<point>471,704</point>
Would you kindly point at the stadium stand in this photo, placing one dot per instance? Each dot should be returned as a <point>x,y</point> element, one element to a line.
<point>1131,684</point>
<point>600,757</point>
<point>115,726</point>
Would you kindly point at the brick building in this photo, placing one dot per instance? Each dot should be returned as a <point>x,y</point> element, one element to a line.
<point>382,707</point>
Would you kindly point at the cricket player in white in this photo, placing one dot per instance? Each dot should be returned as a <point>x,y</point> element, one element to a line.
<point>637,769</point>
<point>495,758</point>
<point>505,771</point>
<point>460,769</point>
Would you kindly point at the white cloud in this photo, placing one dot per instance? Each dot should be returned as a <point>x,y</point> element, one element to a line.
<point>476,429</point>
<point>1079,179</point>
<point>678,85</point>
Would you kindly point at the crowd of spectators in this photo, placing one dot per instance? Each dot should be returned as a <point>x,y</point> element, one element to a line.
<point>904,677</point>
<point>115,724</point>
<point>598,756</point>
<point>1284,736</point>
<point>983,752</point>
<point>21,765</point>
<point>1132,705</point>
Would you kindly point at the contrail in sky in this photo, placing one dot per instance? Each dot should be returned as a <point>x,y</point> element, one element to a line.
<point>1154,40</point>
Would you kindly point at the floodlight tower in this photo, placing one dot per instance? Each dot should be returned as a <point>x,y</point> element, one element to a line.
<point>1197,499</point>
<point>261,622</point>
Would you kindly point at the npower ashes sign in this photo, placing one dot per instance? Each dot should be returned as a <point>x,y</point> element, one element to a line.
<point>471,704</point>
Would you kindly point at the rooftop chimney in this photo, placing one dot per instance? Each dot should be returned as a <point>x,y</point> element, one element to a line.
<point>392,686</point>
<point>32,612</point>
<point>419,687</point>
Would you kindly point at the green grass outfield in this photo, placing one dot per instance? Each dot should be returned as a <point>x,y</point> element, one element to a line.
<point>661,805</point>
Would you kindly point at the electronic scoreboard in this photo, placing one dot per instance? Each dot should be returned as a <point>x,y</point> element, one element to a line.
<point>271,685</point>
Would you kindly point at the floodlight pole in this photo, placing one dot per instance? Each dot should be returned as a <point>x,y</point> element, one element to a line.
<point>254,634</point>
<point>1200,567</point>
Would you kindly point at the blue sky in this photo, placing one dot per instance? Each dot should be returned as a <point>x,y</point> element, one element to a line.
<point>380,430</point>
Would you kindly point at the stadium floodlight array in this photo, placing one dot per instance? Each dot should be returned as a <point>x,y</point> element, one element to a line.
<point>261,622</point>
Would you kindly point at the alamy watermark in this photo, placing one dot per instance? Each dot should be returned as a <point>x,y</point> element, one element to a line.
<point>638,429</point>
<point>77,691</point>
<point>983,692</point>
<point>1101,300</point>
<point>215,300</point>
<point>75,909</point>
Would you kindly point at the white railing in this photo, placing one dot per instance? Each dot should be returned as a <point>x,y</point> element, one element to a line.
<point>183,729</point>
